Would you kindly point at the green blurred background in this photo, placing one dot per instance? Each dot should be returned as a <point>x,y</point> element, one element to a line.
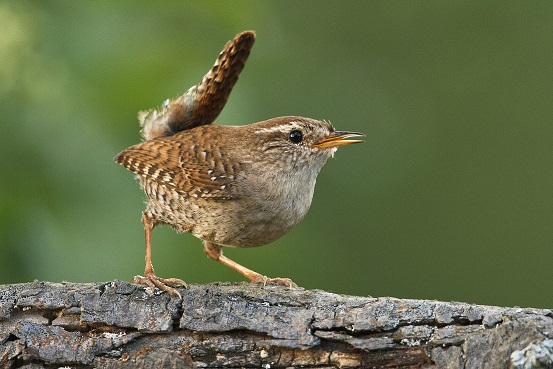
<point>450,198</point>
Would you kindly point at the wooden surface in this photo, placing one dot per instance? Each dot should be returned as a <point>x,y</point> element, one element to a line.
<point>120,325</point>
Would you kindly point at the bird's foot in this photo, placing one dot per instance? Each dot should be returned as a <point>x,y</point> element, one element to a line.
<point>214,251</point>
<point>152,281</point>
<point>258,278</point>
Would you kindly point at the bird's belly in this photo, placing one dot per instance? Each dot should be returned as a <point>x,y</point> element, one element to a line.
<point>232,222</point>
<point>256,223</point>
<point>237,224</point>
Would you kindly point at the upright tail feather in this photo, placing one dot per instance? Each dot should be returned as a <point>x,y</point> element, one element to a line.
<point>201,104</point>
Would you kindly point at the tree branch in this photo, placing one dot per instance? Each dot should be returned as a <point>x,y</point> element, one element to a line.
<point>120,325</point>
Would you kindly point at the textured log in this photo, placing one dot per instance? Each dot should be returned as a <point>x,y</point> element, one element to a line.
<point>120,325</point>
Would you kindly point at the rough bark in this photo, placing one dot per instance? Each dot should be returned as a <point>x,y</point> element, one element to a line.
<point>120,325</point>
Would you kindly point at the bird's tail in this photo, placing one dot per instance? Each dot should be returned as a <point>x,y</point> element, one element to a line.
<point>201,104</point>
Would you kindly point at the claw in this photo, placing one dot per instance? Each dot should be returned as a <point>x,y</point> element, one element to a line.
<point>153,281</point>
<point>264,280</point>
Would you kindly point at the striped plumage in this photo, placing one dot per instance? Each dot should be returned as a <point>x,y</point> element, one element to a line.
<point>239,186</point>
<point>201,104</point>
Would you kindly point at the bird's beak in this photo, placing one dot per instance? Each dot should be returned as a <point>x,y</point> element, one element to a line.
<point>337,138</point>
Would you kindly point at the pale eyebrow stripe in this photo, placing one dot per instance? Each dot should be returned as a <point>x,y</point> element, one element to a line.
<point>279,128</point>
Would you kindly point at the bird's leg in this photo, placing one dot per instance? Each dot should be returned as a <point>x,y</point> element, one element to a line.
<point>214,252</point>
<point>150,278</point>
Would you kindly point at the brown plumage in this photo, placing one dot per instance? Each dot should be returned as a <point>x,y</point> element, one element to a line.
<point>238,186</point>
<point>202,103</point>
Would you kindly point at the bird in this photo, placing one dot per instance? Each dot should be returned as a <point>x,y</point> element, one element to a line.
<point>235,186</point>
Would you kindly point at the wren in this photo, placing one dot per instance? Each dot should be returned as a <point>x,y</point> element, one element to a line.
<point>237,186</point>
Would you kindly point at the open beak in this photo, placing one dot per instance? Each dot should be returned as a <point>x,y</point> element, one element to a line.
<point>338,138</point>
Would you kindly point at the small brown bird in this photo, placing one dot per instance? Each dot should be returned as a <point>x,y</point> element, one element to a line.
<point>238,186</point>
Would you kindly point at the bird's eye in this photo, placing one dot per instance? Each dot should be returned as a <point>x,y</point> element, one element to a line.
<point>295,136</point>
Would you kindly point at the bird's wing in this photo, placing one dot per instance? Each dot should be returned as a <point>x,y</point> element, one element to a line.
<point>183,167</point>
